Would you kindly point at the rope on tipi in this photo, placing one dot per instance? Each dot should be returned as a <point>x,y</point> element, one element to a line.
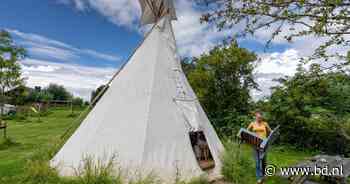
<point>182,97</point>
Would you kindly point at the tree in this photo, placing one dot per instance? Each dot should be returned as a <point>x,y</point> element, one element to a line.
<point>97,94</point>
<point>58,92</point>
<point>10,70</point>
<point>222,80</point>
<point>291,19</point>
<point>313,109</point>
<point>18,95</point>
<point>77,101</point>
<point>188,64</point>
<point>44,96</point>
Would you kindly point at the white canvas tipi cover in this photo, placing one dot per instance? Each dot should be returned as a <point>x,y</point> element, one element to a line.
<point>145,117</point>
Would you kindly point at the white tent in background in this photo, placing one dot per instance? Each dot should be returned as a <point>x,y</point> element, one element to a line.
<point>148,112</point>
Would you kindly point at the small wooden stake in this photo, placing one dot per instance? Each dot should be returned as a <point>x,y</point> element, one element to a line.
<point>5,136</point>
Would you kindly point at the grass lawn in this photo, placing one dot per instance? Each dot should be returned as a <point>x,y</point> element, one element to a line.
<point>29,135</point>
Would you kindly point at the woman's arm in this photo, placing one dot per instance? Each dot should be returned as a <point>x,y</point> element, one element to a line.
<point>250,126</point>
<point>269,130</point>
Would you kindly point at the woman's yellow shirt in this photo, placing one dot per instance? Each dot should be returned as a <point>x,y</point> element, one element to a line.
<point>261,129</point>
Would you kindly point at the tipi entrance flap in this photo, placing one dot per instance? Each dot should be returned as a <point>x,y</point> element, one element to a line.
<point>201,150</point>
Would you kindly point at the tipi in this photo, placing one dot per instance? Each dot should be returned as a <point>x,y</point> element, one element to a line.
<point>149,113</point>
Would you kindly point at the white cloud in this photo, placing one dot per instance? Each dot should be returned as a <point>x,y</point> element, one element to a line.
<point>193,38</point>
<point>100,55</point>
<point>43,46</point>
<point>284,63</point>
<point>80,80</point>
<point>273,66</point>
<point>53,52</point>
<point>78,4</point>
<point>38,38</point>
<point>39,68</point>
<point>120,12</point>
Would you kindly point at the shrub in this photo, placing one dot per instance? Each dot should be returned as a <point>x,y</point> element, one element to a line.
<point>40,172</point>
<point>238,167</point>
<point>98,172</point>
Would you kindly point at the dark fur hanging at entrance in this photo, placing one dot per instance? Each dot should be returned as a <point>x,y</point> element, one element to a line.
<point>201,150</point>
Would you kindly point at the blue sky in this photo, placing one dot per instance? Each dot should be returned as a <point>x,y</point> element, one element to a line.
<point>81,43</point>
<point>56,21</point>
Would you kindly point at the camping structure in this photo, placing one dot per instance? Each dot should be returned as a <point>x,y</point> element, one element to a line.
<point>7,109</point>
<point>149,115</point>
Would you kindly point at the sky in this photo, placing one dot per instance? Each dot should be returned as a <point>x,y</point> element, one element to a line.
<point>81,43</point>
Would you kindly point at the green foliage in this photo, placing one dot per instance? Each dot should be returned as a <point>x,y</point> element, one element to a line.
<point>18,96</point>
<point>10,54</point>
<point>222,80</point>
<point>37,167</point>
<point>37,94</point>
<point>239,164</point>
<point>97,94</point>
<point>346,128</point>
<point>312,107</point>
<point>52,92</point>
<point>58,92</point>
<point>10,70</point>
<point>288,20</point>
<point>238,167</point>
<point>98,171</point>
<point>77,101</point>
<point>39,172</point>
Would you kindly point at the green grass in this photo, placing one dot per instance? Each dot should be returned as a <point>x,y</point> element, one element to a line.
<point>23,157</point>
<point>27,136</point>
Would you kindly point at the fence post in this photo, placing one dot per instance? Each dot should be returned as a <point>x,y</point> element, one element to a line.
<point>5,136</point>
<point>71,107</point>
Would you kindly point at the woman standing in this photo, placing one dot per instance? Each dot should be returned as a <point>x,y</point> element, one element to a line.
<point>262,129</point>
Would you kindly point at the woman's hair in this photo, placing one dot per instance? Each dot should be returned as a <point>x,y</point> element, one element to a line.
<point>258,111</point>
